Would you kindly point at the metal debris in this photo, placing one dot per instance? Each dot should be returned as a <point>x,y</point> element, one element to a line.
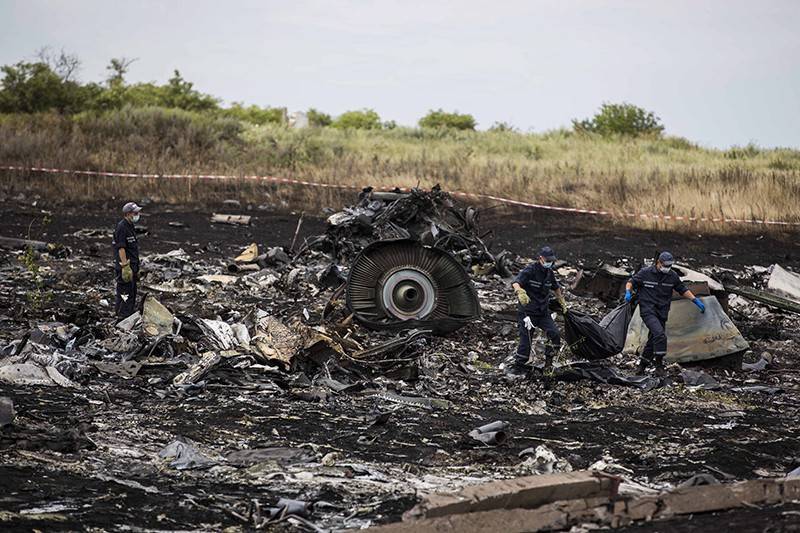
<point>492,434</point>
<point>236,220</point>
<point>692,336</point>
<point>784,283</point>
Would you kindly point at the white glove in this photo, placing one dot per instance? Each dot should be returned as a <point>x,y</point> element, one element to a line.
<point>527,322</point>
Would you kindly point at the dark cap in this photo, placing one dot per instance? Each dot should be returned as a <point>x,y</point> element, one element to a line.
<point>547,253</point>
<point>666,259</point>
<point>130,207</point>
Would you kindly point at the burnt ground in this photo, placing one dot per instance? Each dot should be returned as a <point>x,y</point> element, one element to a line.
<point>88,458</point>
<point>579,239</point>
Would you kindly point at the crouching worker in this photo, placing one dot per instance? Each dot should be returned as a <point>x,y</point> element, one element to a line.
<point>533,286</point>
<point>126,260</point>
<point>654,286</point>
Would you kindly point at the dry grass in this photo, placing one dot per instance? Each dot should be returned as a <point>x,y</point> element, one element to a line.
<point>667,176</point>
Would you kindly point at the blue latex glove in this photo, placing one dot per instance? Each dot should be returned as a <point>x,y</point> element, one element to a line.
<point>700,305</point>
<point>628,296</point>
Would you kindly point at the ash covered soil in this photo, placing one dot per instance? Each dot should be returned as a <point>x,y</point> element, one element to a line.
<point>87,457</point>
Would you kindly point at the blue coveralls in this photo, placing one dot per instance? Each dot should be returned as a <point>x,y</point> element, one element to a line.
<point>125,237</point>
<point>654,290</point>
<point>537,281</point>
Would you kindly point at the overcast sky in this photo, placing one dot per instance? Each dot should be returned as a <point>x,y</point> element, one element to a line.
<point>719,72</point>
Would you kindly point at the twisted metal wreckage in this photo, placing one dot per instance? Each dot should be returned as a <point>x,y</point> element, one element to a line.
<point>412,268</point>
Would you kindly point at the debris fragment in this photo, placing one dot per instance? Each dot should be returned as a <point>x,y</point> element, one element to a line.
<point>196,372</point>
<point>156,319</point>
<point>287,506</point>
<point>543,460</point>
<point>126,369</point>
<point>24,374</point>
<point>784,283</point>
<point>692,336</point>
<point>477,511</point>
<point>235,220</point>
<point>696,378</point>
<point>274,341</point>
<point>607,282</point>
<point>184,455</point>
<point>219,334</point>
<point>525,492</point>
<point>129,323</point>
<point>222,279</point>
<point>492,434</point>
<point>7,413</point>
<point>764,297</point>
<point>249,254</point>
<point>605,373</point>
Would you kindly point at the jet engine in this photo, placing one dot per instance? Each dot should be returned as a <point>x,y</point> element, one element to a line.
<point>401,284</point>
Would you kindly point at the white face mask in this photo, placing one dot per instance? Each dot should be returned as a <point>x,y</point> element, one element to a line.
<point>547,264</point>
<point>136,218</point>
<point>664,270</point>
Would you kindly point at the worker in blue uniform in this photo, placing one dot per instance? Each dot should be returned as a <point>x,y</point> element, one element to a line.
<point>126,260</point>
<point>533,286</point>
<point>654,286</point>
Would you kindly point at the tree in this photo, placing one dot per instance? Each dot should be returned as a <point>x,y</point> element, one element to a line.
<point>366,119</point>
<point>441,119</point>
<point>621,119</point>
<point>181,94</point>
<point>63,64</point>
<point>118,67</point>
<point>318,118</point>
<point>34,87</point>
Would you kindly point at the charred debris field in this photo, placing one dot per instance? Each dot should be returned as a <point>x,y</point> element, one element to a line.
<point>271,381</point>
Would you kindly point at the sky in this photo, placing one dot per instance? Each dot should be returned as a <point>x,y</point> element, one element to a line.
<point>719,72</point>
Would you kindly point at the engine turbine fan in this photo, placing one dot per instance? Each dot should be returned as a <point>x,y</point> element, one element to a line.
<point>401,284</point>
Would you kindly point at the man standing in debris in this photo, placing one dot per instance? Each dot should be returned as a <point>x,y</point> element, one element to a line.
<point>654,286</point>
<point>126,260</point>
<point>533,286</point>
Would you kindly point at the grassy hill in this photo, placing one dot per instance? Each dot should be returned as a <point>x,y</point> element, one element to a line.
<point>649,175</point>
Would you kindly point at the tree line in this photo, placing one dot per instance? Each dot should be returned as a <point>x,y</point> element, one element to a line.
<point>50,84</point>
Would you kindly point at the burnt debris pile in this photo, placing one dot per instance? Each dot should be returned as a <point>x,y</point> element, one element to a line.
<point>432,218</point>
<point>343,382</point>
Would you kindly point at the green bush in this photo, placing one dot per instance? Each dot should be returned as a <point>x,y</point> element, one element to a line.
<point>318,118</point>
<point>177,93</point>
<point>680,143</point>
<point>255,114</point>
<point>621,119</point>
<point>784,159</point>
<point>743,152</point>
<point>442,119</point>
<point>165,128</point>
<point>503,127</point>
<point>366,119</point>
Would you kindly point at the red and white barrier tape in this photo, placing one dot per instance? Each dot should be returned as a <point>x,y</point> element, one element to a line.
<point>509,201</point>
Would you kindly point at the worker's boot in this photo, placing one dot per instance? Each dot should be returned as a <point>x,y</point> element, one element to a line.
<point>516,370</point>
<point>660,370</point>
<point>641,370</point>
